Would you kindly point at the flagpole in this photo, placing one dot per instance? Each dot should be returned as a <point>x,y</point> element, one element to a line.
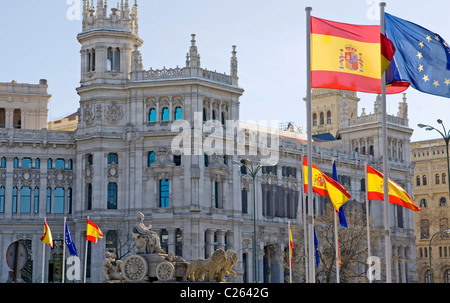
<point>43,256</point>
<point>305,226</point>
<point>336,237</point>
<point>309,146</point>
<point>64,252</point>
<point>85,257</point>
<point>367,215</point>
<point>385,161</point>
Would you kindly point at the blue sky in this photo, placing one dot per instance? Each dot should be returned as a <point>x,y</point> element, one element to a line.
<point>38,41</point>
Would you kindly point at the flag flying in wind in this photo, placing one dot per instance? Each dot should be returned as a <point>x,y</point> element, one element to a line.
<point>422,57</point>
<point>342,218</point>
<point>69,242</point>
<point>325,186</point>
<point>316,248</point>
<point>397,195</point>
<point>93,232</point>
<point>47,237</point>
<point>351,57</point>
<point>291,244</point>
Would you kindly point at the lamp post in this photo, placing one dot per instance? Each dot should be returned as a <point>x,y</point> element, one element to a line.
<point>446,231</point>
<point>253,171</point>
<point>446,136</point>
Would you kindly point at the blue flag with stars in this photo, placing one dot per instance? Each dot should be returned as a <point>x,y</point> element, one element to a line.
<point>69,242</point>
<point>421,56</point>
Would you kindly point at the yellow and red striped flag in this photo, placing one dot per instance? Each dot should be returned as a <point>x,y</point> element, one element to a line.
<point>47,237</point>
<point>397,195</point>
<point>93,232</point>
<point>351,57</point>
<point>325,186</point>
<point>291,244</point>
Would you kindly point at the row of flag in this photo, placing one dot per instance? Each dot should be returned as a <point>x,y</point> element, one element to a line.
<point>93,232</point>
<point>329,187</point>
<point>354,57</point>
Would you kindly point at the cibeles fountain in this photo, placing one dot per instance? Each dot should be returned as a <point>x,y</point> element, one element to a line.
<point>152,264</point>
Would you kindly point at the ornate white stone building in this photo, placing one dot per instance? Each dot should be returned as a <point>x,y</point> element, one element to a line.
<point>120,160</point>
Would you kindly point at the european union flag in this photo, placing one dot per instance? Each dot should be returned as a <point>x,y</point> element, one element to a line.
<point>316,247</point>
<point>421,56</point>
<point>69,242</point>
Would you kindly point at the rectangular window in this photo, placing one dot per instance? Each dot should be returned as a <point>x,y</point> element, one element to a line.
<point>14,200</point>
<point>49,201</point>
<point>69,200</point>
<point>112,196</point>
<point>113,158</point>
<point>244,201</point>
<point>89,196</point>
<point>59,200</point>
<point>164,193</point>
<point>60,164</point>
<point>2,199</point>
<point>25,200</point>
<point>26,163</point>
<point>36,200</point>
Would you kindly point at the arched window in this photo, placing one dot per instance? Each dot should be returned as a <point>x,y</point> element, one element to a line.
<point>328,117</point>
<point>418,181</point>
<point>165,116</point>
<point>178,113</point>
<point>443,201</point>
<point>90,60</point>
<point>152,115</point>
<point>214,115</point>
<point>113,59</point>
<point>49,164</point>
<point>314,119</point>
<point>436,178</point>
<point>204,115</point>
<point>16,162</point>
<point>151,158</point>
<point>223,118</point>
<point>3,163</point>
<point>112,195</point>
<point>428,276</point>
<point>37,163</point>
<point>423,203</point>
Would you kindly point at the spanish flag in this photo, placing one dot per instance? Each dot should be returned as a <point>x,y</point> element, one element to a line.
<point>291,244</point>
<point>47,237</point>
<point>397,195</point>
<point>325,186</point>
<point>351,57</point>
<point>93,232</point>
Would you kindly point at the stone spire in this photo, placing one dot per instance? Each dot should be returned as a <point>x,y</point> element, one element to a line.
<point>234,67</point>
<point>403,110</point>
<point>194,56</point>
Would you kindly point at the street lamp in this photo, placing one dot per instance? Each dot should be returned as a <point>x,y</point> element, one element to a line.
<point>253,171</point>
<point>446,231</point>
<point>446,136</point>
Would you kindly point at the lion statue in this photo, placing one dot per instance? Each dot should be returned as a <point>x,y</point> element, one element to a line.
<point>215,268</point>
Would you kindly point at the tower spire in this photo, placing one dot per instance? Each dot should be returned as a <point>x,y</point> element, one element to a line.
<point>234,66</point>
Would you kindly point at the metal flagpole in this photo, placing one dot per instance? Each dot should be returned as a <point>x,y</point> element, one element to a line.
<point>367,216</point>
<point>333,160</point>
<point>64,252</point>
<point>85,257</point>
<point>309,150</point>
<point>336,244</point>
<point>305,226</point>
<point>385,161</point>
